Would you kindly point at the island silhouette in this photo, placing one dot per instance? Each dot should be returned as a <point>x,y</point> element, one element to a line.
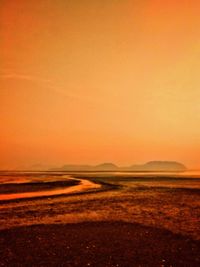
<point>108,166</point>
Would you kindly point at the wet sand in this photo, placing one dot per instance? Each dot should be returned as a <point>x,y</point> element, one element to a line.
<point>15,188</point>
<point>97,244</point>
<point>42,189</point>
<point>126,222</point>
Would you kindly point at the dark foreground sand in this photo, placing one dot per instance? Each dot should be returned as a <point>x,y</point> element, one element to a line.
<point>98,244</point>
<point>125,222</point>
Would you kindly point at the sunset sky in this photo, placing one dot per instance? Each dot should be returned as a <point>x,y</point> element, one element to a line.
<point>91,81</point>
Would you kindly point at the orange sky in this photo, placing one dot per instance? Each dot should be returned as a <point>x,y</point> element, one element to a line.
<point>88,81</point>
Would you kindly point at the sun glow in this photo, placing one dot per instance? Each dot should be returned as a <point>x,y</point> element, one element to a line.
<point>91,81</point>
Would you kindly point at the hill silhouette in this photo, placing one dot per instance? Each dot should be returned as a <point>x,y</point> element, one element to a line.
<point>149,166</point>
<point>159,166</point>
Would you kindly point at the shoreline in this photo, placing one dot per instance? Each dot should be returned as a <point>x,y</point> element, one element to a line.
<point>77,185</point>
<point>125,222</point>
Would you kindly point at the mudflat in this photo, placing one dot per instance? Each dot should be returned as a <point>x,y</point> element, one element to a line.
<point>97,244</point>
<point>125,222</point>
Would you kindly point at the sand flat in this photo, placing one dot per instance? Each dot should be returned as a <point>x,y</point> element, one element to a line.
<point>117,224</point>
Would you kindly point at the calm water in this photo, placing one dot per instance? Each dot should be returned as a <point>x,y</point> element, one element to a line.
<point>190,179</point>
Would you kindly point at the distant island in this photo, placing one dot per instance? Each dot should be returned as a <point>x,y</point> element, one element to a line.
<point>149,166</point>
<point>160,166</point>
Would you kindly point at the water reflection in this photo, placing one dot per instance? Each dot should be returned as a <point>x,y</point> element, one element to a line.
<point>82,186</point>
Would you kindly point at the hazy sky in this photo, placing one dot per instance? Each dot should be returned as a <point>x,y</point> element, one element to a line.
<point>89,81</point>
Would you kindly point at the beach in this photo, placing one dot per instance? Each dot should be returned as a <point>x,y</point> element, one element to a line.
<point>124,221</point>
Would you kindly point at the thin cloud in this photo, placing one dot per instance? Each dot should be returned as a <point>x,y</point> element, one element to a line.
<point>23,77</point>
<point>60,89</point>
<point>48,85</point>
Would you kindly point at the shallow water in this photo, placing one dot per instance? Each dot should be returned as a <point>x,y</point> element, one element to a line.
<point>165,201</point>
<point>187,179</point>
<point>84,185</point>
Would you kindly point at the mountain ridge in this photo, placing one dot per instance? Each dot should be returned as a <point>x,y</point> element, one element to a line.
<point>108,166</point>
